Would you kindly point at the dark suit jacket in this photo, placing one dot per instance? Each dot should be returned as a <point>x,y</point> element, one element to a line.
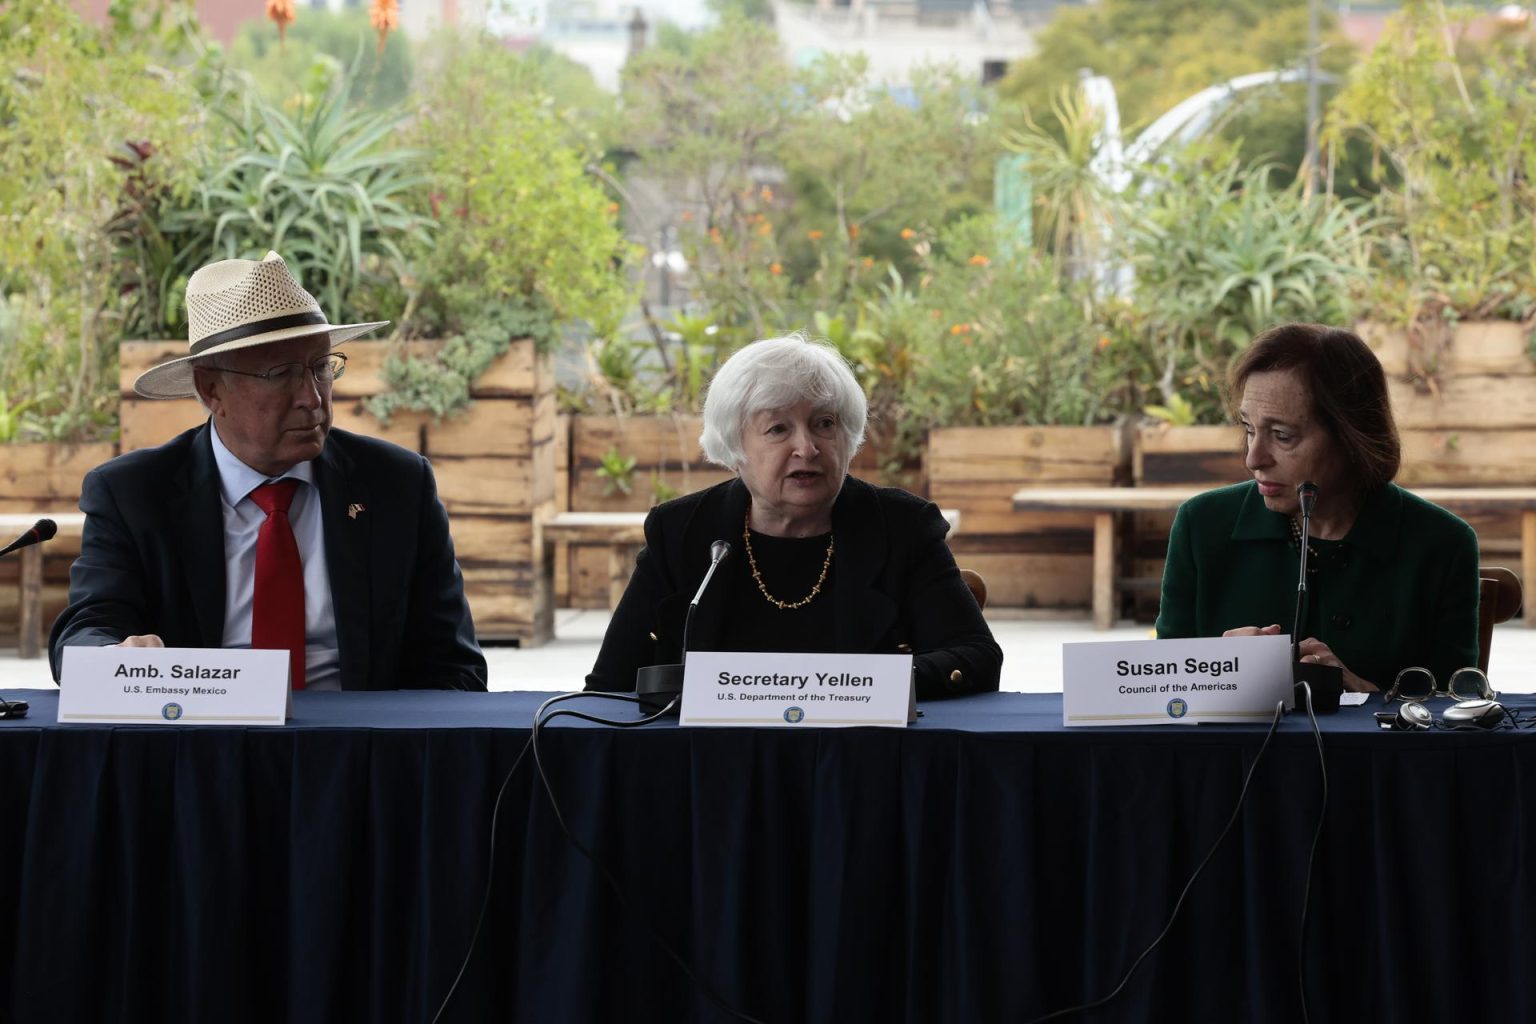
<point>897,585</point>
<point>1401,589</point>
<point>152,561</point>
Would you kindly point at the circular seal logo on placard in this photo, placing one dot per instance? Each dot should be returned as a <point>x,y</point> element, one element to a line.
<point>171,712</point>
<point>1178,707</point>
<point>793,715</point>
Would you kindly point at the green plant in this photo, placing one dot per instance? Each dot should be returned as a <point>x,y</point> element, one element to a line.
<point>1074,206</point>
<point>327,188</point>
<point>1013,342</point>
<point>706,117</point>
<point>525,241</point>
<point>617,470</point>
<point>70,94</point>
<point>13,417</point>
<point>1220,255</point>
<point>1454,123</point>
<point>661,491</point>
<point>441,385</point>
<point>519,216</point>
<point>1178,412</point>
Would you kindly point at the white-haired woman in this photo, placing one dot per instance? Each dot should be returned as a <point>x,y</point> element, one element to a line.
<point>821,561</point>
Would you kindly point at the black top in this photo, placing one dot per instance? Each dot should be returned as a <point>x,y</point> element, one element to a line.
<point>790,567</point>
<point>895,590</point>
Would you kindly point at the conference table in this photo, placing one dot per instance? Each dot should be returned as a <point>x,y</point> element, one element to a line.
<point>983,864</point>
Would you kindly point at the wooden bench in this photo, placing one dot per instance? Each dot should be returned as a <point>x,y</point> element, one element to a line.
<point>624,534</point>
<point>1107,502</point>
<point>29,638</point>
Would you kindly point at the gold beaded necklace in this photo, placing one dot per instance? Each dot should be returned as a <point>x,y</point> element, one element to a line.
<point>1311,551</point>
<point>783,606</point>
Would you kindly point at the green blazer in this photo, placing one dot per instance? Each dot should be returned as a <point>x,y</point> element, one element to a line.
<point>1401,589</point>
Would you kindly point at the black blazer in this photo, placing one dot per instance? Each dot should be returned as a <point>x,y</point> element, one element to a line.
<point>897,587</point>
<point>152,561</point>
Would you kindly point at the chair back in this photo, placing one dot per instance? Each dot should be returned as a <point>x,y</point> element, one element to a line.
<point>1499,598</point>
<point>978,585</point>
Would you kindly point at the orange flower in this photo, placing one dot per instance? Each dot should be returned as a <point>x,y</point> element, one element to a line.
<point>775,269</point>
<point>980,261</point>
<point>813,235</point>
<point>714,234</point>
<point>1103,342</point>
<point>853,231</point>
<point>907,234</point>
<point>867,262</point>
<point>687,215</point>
<point>281,12</point>
<point>765,229</point>
<point>960,329</point>
<point>384,15</point>
<point>613,208</point>
<point>766,195</point>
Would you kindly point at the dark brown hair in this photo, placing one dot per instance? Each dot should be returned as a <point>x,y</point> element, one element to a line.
<point>1348,389</point>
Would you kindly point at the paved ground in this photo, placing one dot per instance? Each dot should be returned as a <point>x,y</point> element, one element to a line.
<point>1031,653</point>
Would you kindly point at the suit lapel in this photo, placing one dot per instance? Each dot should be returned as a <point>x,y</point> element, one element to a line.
<point>199,523</point>
<point>864,614</point>
<point>344,501</point>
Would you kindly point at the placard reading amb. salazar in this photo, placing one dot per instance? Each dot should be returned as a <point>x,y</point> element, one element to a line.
<point>736,688</point>
<point>174,685</point>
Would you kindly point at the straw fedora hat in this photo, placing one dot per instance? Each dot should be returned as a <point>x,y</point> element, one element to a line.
<point>234,304</point>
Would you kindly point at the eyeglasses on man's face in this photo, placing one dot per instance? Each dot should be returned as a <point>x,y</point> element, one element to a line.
<point>284,376</point>
<point>1418,684</point>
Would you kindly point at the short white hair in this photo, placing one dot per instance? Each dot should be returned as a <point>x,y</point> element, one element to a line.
<point>773,374</point>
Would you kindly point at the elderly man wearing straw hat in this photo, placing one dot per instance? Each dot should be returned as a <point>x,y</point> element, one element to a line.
<point>265,527</point>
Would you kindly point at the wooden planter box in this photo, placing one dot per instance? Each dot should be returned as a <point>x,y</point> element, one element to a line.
<point>494,466</point>
<point>1029,559</point>
<point>666,453</point>
<point>43,479</point>
<point>1474,424</point>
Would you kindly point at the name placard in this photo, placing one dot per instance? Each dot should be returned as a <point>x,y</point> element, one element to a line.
<point>776,689</point>
<point>1164,682</point>
<point>173,686</point>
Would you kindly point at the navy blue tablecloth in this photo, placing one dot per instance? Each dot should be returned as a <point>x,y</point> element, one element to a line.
<point>984,864</point>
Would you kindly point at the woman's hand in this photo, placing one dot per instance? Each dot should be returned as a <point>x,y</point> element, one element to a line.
<point>1315,652</point>
<point>1254,631</point>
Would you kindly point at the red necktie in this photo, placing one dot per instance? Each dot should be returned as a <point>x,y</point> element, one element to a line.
<point>277,613</point>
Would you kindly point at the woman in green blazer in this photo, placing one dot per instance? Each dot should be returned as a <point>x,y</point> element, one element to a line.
<point>1393,579</point>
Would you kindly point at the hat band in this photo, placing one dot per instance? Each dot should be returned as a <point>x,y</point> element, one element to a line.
<point>276,323</point>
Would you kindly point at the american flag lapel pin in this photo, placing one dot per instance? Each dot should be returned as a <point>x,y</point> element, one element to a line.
<point>354,508</point>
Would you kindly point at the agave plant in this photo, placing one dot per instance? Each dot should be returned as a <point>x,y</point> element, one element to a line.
<point>1221,255</point>
<point>1075,203</point>
<point>323,187</point>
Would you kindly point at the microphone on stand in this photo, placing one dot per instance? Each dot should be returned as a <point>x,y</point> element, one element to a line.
<point>1326,681</point>
<point>659,685</point>
<point>42,530</point>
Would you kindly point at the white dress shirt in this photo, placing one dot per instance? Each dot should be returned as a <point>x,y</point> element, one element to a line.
<point>242,524</point>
